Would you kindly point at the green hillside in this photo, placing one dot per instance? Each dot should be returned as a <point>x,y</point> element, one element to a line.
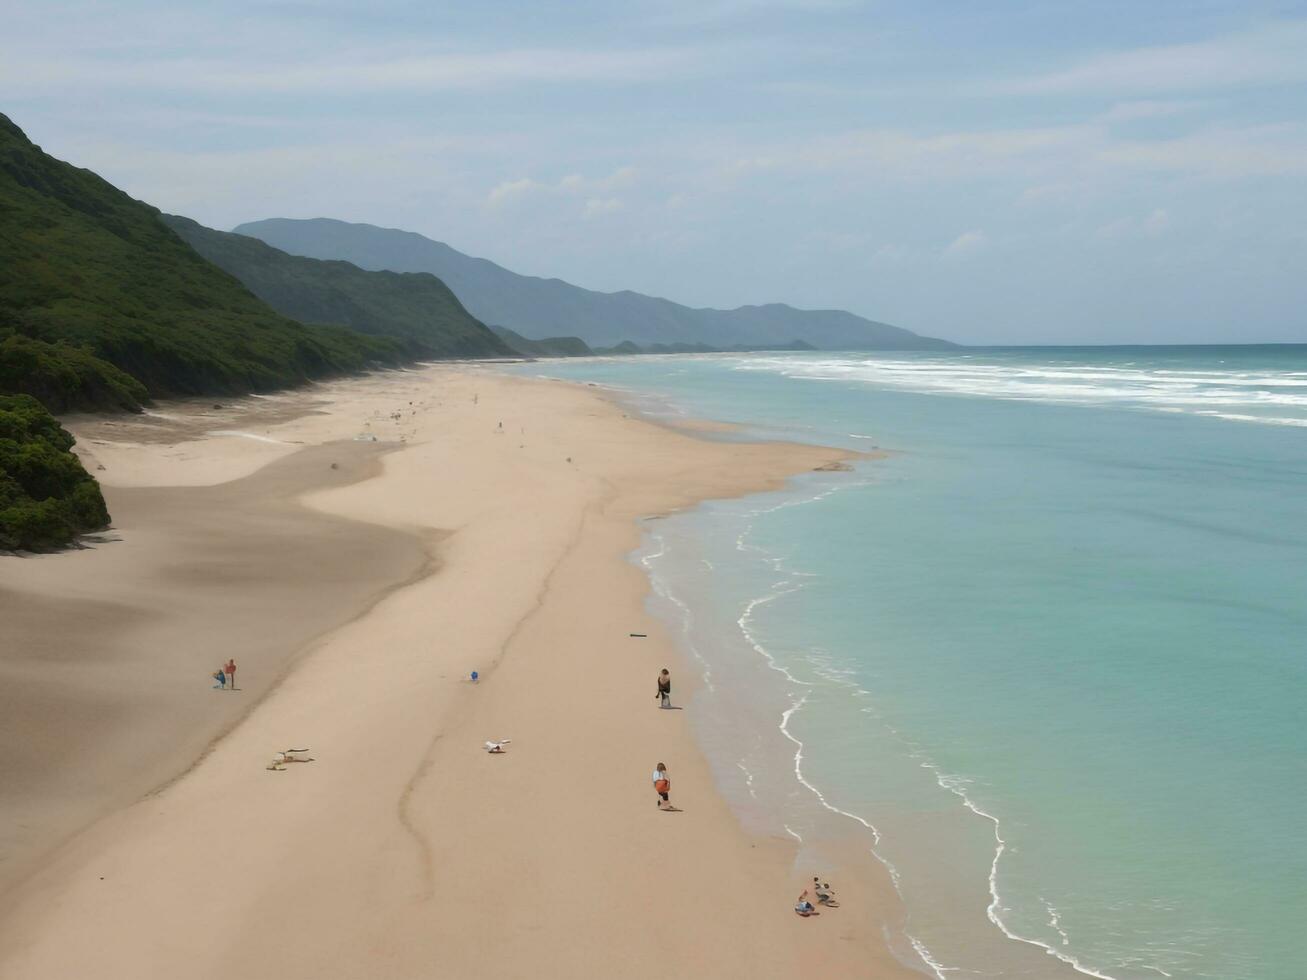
<point>414,306</point>
<point>64,377</point>
<point>84,266</point>
<point>46,496</point>
<point>545,347</point>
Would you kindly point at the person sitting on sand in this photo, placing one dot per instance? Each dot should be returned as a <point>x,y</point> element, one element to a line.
<point>497,747</point>
<point>823,892</point>
<point>665,689</point>
<point>662,785</point>
<point>221,678</point>
<point>803,906</point>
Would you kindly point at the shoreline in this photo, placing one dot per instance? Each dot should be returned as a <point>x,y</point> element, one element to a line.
<point>547,613</point>
<point>787,761</point>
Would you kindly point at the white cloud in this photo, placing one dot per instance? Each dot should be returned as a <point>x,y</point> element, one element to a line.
<point>1153,225</point>
<point>1149,109</point>
<point>366,71</point>
<point>967,243</point>
<point>574,185</point>
<point>698,13</point>
<point>889,255</point>
<point>899,153</point>
<point>621,177</point>
<point>1052,159</point>
<point>1157,223</point>
<point>1055,192</point>
<point>512,189</point>
<point>1257,151</point>
<point>597,206</point>
<point>1269,55</point>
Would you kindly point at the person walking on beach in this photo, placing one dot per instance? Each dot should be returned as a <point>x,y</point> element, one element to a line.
<point>221,678</point>
<point>662,785</point>
<point>231,672</point>
<point>665,689</point>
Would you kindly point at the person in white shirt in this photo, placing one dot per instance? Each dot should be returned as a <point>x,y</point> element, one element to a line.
<point>662,785</point>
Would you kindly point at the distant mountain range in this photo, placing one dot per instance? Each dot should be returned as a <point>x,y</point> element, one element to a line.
<point>537,308</point>
<point>106,303</point>
<point>414,307</point>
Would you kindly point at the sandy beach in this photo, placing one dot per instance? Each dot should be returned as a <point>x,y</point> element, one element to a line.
<point>482,523</point>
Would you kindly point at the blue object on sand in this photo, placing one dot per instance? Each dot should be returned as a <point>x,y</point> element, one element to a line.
<point>474,676</point>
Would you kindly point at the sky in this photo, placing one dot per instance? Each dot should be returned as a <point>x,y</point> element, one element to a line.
<point>991,172</point>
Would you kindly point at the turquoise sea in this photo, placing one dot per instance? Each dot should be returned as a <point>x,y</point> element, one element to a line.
<point>1047,656</point>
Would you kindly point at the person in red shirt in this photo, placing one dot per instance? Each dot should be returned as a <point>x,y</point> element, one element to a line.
<point>230,670</point>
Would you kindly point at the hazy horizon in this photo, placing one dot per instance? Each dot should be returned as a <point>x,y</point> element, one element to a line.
<point>1011,173</point>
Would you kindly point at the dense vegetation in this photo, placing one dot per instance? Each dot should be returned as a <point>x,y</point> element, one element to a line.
<point>415,306</point>
<point>84,266</point>
<point>46,496</point>
<point>64,378</point>
<point>544,347</point>
<point>102,307</point>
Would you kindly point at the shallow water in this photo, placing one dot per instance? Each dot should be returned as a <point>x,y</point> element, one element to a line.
<point>1048,651</point>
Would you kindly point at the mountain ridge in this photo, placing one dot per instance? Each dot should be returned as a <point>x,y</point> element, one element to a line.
<point>414,307</point>
<point>535,306</point>
<point>92,281</point>
<point>103,307</point>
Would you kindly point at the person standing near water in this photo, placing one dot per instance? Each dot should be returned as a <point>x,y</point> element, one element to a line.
<point>665,689</point>
<point>231,673</point>
<point>662,785</point>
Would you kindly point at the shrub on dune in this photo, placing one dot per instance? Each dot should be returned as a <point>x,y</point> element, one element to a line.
<point>46,496</point>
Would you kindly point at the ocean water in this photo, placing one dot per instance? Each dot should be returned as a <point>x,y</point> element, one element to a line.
<point>1046,657</point>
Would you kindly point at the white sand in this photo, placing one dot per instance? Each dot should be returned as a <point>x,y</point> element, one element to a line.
<point>405,850</point>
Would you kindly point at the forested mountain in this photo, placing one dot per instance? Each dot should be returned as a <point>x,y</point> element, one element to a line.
<point>545,346</point>
<point>90,277</point>
<point>538,308</point>
<point>413,306</point>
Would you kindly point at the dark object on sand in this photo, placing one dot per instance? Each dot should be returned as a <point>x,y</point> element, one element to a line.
<point>637,634</point>
<point>664,694</point>
<point>824,894</point>
<point>804,907</point>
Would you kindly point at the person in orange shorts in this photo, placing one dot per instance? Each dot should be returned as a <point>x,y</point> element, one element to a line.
<point>662,784</point>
